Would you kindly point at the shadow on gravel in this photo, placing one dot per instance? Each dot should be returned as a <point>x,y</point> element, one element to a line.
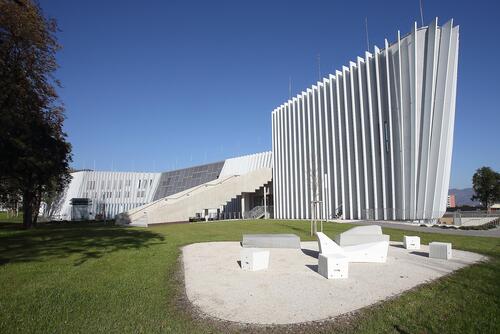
<point>424,254</point>
<point>310,252</point>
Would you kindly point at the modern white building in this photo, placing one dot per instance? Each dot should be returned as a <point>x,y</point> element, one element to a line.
<point>374,139</point>
<point>107,194</point>
<point>371,141</point>
<point>103,195</point>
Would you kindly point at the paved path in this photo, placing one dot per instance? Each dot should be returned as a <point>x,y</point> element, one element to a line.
<point>495,233</point>
<point>291,290</point>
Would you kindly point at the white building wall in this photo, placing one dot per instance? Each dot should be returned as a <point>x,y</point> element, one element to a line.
<point>375,138</point>
<point>113,192</point>
<point>247,163</point>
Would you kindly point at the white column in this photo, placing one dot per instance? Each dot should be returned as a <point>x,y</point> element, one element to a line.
<point>342,188</point>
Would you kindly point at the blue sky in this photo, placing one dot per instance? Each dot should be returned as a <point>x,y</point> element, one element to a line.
<point>157,85</point>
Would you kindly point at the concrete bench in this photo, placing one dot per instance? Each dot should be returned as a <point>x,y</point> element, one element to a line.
<point>271,241</point>
<point>375,252</point>
<point>253,259</point>
<point>411,242</point>
<point>440,250</point>
<point>333,266</point>
<point>361,235</point>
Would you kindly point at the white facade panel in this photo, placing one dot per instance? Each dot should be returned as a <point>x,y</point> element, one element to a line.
<point>375,139</point>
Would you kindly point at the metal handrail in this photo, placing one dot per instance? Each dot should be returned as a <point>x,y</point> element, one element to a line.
<point>255,212</point>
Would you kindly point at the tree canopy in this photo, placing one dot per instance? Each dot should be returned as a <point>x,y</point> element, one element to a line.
<point>35,154</point>
<point>486,184</point>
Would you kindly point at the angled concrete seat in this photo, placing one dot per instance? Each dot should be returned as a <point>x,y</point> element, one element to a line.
<point>366,252</point>
<point>361,235</point>
<point>365,229</point>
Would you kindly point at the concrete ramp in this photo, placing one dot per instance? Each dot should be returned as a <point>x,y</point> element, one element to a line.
<point>179,207</point>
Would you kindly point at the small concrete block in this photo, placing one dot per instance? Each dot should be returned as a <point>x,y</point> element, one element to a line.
<point>440,250</point>
<point>333,266</point>
<point>253,259</point>
<point>411,242</point>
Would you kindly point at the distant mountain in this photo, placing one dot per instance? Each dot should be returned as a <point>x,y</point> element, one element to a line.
<point>463,196</point>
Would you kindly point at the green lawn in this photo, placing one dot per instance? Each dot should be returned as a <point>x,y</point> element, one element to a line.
<point>92,277</point>
<point>5,218</point>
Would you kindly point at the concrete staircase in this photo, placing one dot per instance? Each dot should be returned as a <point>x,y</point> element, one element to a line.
<point>179,207</point>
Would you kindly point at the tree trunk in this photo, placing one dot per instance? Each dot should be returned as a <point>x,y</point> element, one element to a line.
<point>27,210</point>
<point>36,207</point>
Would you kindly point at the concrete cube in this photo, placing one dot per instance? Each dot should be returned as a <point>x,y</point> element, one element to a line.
<point>440,250</point>
<point>411,242</point>
<point>253,259</point>
<point>333,266</point>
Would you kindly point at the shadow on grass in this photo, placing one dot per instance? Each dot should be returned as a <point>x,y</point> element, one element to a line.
<point>86,240</point>
<point>10,226</point>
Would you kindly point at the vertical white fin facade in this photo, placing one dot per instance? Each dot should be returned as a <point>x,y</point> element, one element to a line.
<point>373,141</point>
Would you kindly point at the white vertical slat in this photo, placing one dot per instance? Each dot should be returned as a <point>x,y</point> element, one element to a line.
<point>305,192</point>
<point>340,112</point>
<point>328,139</point>
<point>315,142</point>
<point>295,160</point>
<point>291,162</point>
<point>298,129</point>
<point>437,130</point>
<point>274,149</point>
<point>299,157</point>
<point>334,144</point>
<point>391,132</point>
<point>406,133</point>
<point>288,167</point>
<point>347,125</point>
<point>372,117</point>
<point>310,149</point>
<point>414,121</point>
<point>366,206</point>
<point>282,160</point>
<point>401,130</point>
<point>381,133</point>
<point>356,133</point>
<point>448,118</point>
<point>321,137</point>
<point>429,91</point>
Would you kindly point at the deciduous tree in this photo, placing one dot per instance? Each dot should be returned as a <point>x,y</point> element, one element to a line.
<point>34,152</point>
<point>486,184</point>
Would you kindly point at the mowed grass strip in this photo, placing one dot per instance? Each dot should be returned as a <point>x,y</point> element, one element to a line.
<point>95,278</point>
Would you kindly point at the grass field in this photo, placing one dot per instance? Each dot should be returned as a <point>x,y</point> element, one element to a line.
<point>92,277</point>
